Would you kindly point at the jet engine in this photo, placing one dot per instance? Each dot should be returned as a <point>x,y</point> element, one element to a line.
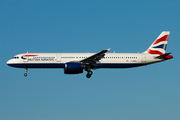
<point>73,68</point>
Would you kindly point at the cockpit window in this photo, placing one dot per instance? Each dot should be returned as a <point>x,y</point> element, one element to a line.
<point>15,57</point>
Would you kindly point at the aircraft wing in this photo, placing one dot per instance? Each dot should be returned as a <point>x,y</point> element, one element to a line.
<point>95,58</point>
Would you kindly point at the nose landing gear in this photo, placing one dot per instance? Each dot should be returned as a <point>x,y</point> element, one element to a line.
<point>25,74</point>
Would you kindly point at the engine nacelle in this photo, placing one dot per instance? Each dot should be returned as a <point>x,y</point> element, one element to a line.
<point>73,68</point>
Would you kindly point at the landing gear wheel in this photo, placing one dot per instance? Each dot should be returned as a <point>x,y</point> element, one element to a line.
<point>25,74</point>
<point>88,75</point>
<point>90,72</point>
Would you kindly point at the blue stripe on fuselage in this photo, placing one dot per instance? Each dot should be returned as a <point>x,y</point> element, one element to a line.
<point>62,65</point>
<point>118,65</point>
<point>38,65</point>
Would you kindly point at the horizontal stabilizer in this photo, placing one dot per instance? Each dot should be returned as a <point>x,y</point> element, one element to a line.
<point>165,56</point>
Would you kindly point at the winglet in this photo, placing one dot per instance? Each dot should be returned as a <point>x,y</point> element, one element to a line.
<point>109,49</point>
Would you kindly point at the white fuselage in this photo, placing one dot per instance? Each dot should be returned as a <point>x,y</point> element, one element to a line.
<point>58,60</point>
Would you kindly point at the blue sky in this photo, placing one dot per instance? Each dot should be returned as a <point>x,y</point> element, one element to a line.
<point>149,92</point>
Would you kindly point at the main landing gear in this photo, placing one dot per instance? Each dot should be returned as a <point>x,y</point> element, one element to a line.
<point>89,73</point>
<point>25,74</point>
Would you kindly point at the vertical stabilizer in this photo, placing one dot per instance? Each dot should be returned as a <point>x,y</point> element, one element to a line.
<point>159,45</point>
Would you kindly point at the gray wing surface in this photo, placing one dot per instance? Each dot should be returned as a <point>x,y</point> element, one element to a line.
<point>95,58</point>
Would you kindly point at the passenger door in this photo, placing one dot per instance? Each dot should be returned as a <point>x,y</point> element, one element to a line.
<point>143,58</point>
<point>58,57</point>
<point>25,57</point>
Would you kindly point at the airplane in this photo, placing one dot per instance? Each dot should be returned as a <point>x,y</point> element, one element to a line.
<point>75,63</point>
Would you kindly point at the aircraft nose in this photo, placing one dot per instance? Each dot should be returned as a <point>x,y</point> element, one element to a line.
<point>9,62</point>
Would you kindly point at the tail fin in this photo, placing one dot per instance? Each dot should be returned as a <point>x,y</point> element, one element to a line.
<point>159,45</point>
